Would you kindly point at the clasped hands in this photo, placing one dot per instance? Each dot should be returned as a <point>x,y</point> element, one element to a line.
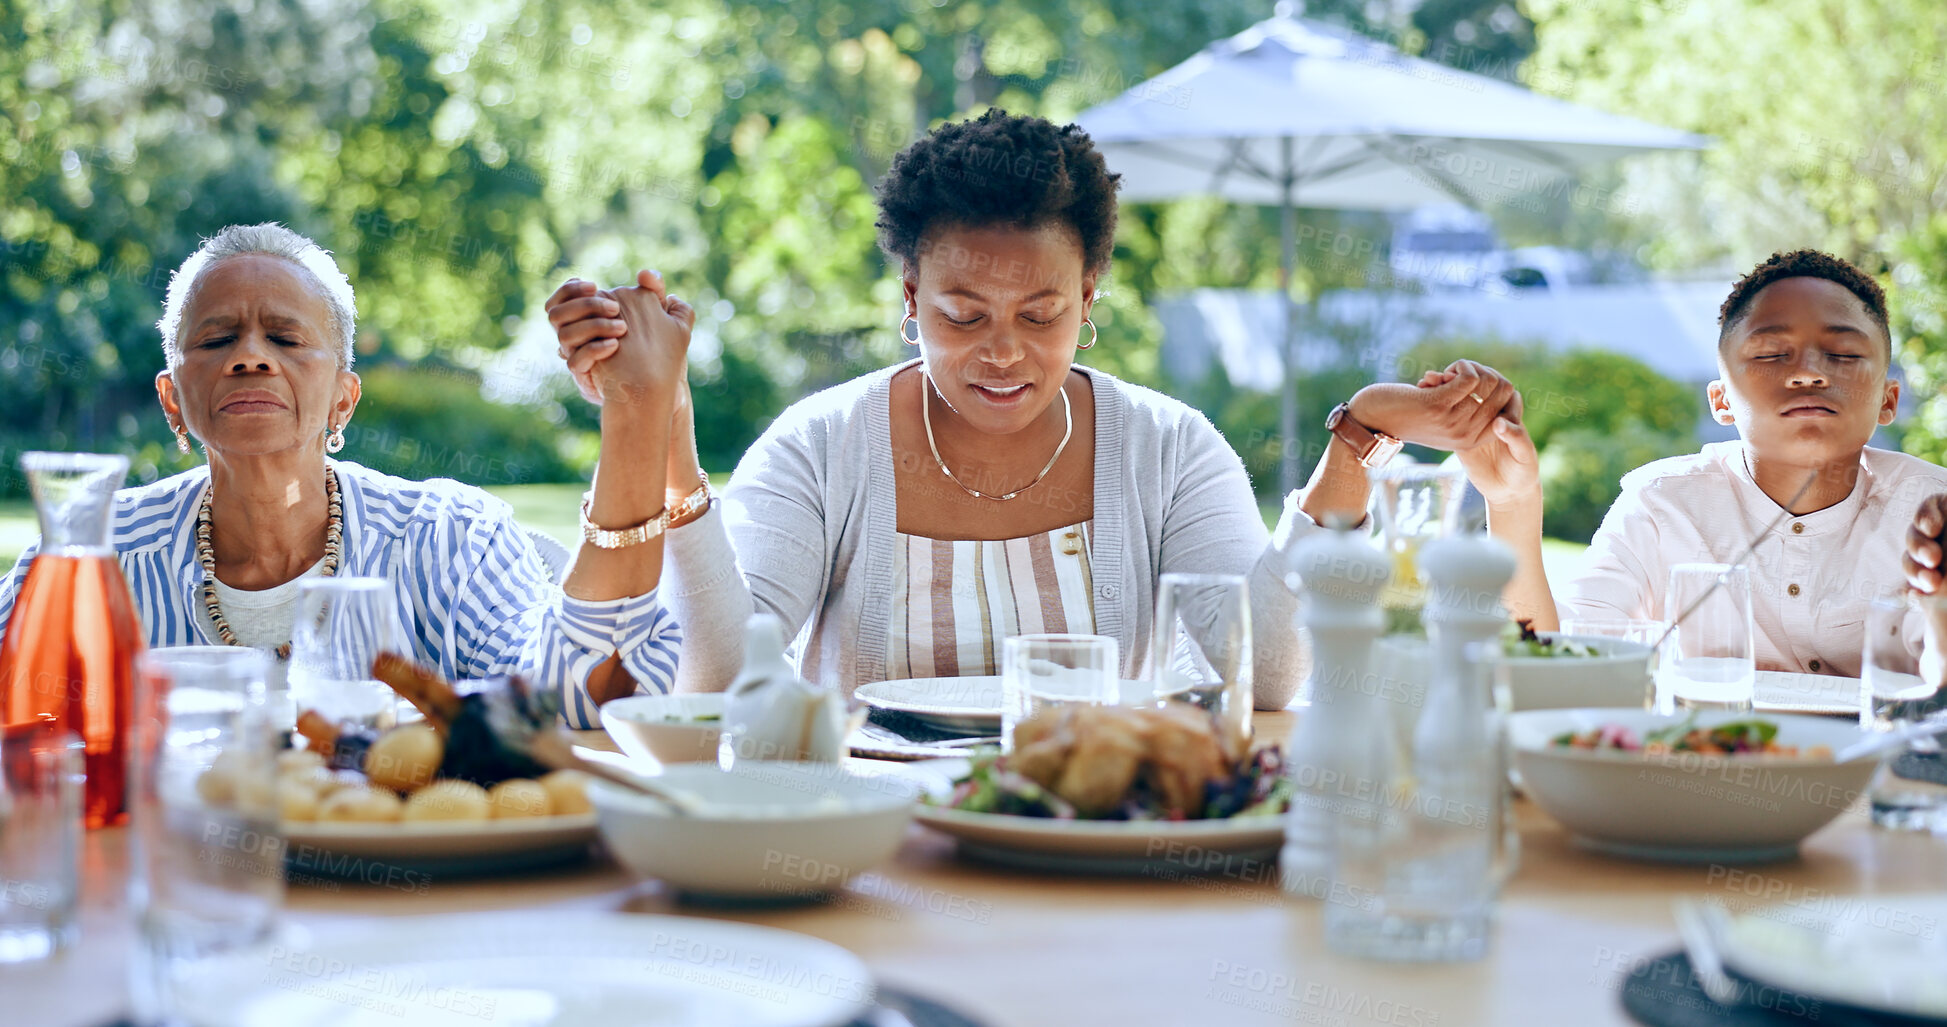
<point>1469,409</point>
<point>623,343</point>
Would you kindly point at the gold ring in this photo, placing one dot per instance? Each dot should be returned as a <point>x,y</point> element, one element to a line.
<point>1477,398</point>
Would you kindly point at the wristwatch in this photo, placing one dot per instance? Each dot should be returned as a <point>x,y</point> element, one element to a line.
<point>1373,448</point>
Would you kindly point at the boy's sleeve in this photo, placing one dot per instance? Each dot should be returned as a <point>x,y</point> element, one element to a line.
<point>1624,562</point>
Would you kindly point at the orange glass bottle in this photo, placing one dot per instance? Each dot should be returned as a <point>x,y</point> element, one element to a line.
<point>71,642</point>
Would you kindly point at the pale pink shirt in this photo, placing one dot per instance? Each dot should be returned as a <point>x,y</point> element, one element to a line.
<point>1812,577</point>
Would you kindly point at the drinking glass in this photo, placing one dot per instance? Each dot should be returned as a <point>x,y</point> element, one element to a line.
<point>1909,791</point>
<point>1040,672</point>
<point>1712,659</point>
<point>1415,503</point>
<point>1647,632</point>
<point>1202,646</point>
<point>342,625</point>
<point>206,855</point>
<point>40,839</point>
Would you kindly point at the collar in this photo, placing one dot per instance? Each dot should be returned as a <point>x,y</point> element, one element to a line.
<point>1836,518</point>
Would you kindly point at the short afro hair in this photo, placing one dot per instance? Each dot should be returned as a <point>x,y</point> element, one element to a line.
<point>1803,264</point>
<point>1000,170</point>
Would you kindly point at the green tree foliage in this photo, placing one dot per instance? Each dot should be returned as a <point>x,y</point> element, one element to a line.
<point>1830,129</point>
<point>462,160</point>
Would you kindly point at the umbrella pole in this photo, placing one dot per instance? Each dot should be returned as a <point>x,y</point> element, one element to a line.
<point>1287,263</point>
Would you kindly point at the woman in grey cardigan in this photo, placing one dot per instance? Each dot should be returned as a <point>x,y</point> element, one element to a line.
<point>904,522</point>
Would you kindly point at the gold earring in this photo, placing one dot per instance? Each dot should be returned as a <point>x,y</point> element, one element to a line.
<point>1093,335</point>
<point>914,340</point>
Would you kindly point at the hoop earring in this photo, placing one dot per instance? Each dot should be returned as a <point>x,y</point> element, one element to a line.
<point>182,438</point>
<point>914,341</point>
<point>335,439</point>
<point>1093,335</point>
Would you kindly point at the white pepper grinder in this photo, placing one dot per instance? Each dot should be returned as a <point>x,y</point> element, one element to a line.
<point>1342,752</point>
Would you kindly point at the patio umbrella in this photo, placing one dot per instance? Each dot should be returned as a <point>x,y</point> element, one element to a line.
<point>1292,110</point>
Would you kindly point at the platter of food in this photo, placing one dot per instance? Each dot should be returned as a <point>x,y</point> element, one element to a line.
<point>1109,789</point>
<point>453,792</point>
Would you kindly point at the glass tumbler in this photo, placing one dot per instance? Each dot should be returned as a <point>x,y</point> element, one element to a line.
<point>1044,672</point>
<point>1201,648</point>
<point>206,854</point>
<point>41,772</point>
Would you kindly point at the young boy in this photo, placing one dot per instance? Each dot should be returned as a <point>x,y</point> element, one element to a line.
<point>1803,353</point>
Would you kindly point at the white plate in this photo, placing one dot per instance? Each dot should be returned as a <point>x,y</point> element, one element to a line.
<point>590,969</point>
<point>968,704</point>
<point>1878,952</point>
<point>339,849</point>
<point>1778,691</point>
<point>1157,847</point>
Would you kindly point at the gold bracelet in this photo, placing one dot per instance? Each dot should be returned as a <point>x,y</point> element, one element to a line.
<point>689,507</point>
<point>604,538</point>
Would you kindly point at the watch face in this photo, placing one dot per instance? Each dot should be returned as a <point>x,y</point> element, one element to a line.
<point>1332,419</point>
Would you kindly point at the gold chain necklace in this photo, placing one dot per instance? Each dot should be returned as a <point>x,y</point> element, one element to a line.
<point>926,414</point>
<point>206,555</point>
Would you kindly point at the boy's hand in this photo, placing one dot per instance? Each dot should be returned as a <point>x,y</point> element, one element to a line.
<point>1923,545</point>
<point>1504,468</point>
<point>1454,409</point>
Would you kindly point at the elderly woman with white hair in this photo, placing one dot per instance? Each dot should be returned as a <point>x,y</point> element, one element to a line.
<point>258,334</point>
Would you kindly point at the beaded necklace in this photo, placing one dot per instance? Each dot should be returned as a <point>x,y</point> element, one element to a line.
<point>206,555</point>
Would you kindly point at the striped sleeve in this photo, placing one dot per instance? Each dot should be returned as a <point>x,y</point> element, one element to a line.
<point>508,615</point>
<point>10,585</point>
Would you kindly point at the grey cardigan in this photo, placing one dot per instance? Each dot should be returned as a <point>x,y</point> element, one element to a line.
<point>807,527</point>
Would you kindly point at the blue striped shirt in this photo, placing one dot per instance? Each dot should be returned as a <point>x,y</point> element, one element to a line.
<point>472,590</point>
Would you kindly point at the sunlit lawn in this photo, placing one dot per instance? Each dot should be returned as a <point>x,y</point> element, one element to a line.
<point>554,510</point>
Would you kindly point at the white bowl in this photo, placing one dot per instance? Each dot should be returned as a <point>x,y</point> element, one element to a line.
<point>1618,675</point>
<point>1686,806</point>
<point>663,728</point>
<point>780,831</point>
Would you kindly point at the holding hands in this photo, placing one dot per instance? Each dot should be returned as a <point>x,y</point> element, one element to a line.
<point>625,342</point>
<point>1922,561</point>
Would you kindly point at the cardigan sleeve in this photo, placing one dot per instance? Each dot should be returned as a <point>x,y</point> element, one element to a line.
<point>1213,526</point>
<point>761,548</point>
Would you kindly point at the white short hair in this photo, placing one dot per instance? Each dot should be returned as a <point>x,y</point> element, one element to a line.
<point>271,240</point>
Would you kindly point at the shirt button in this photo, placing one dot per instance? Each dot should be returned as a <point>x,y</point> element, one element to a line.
<point>1814,665</point>
<point>1798,527</point>
<point>1791,590</point>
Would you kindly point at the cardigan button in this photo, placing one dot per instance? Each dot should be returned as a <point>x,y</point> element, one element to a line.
<point>1110,591</point>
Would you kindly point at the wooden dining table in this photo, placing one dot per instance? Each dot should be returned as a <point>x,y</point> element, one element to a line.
<point>1012,948</point>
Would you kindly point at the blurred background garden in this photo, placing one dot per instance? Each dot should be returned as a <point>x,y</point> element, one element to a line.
<point>462,159</point>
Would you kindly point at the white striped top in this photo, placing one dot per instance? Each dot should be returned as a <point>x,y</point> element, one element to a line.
<point>953,601</point>
<point>472,590</point>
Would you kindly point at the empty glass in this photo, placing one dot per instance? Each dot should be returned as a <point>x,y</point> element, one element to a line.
<point>1711,660</point>
<point>342,625</point>
<point>40,839</point>
<point>1040,672</point>
<point>1201,649</point>
<point>1909,791</point>
<point>206,855</point>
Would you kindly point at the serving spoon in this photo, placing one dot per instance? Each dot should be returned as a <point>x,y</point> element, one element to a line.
<point>1783,514</point>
